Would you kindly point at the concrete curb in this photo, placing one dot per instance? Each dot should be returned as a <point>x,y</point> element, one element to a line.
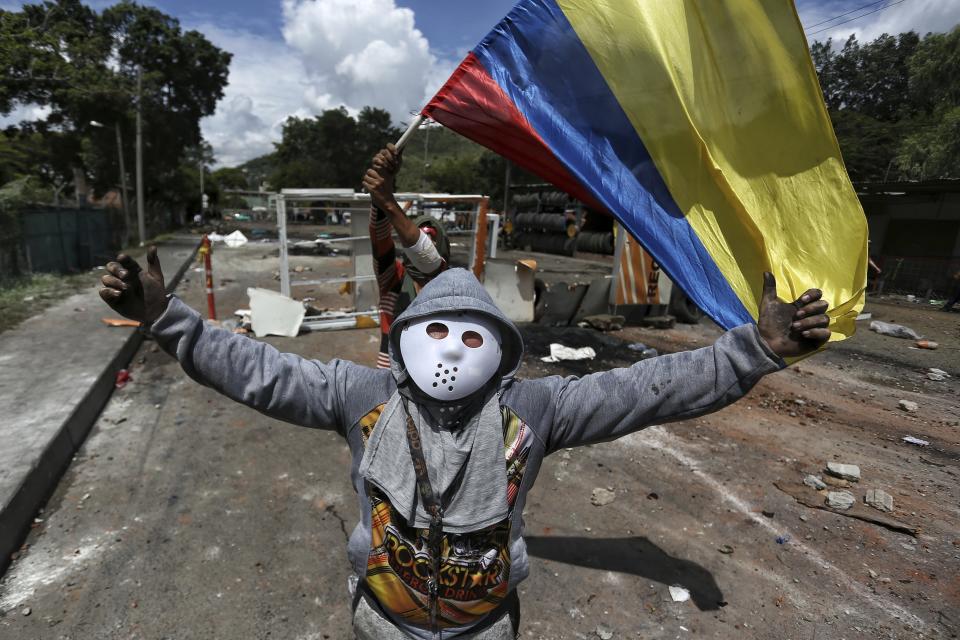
<point>40,482</point>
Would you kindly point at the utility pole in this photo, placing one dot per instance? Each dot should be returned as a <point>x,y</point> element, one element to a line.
<point>141,222</point>
<point>123,187</point>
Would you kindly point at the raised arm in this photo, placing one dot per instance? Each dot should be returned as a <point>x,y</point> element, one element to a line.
<point>380,182</point>
<point>281,385</point>
<point>607,405</point>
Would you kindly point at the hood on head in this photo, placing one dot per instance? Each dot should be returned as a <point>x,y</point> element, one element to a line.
<point>456,290</point>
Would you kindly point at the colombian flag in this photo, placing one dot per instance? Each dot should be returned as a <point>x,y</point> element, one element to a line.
<point>699,124</point>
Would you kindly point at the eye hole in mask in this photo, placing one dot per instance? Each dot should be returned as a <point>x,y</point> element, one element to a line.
<point>438,330</point>
<point>472,339</point>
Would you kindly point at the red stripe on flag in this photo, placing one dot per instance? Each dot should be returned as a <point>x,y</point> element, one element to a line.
<point>473,104</point>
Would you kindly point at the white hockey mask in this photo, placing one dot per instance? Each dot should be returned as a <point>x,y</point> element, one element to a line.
<point>451,355</point>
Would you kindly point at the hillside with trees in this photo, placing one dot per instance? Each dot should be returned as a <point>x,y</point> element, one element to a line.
<point>895,104</point>
<point>88,72</point>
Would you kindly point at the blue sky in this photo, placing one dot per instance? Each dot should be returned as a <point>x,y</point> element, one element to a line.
<point>298,57</point>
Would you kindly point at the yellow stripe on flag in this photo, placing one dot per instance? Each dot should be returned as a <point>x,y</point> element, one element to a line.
<point>725,98</point>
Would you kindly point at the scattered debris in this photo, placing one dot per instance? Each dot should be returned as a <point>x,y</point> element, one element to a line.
<point>600,497</point>
<point>864,316</point>
<point>849,472</point>
<point>938,372</point>
<point>653,496</point>
<point>840,500</point>
<point>811,499</point>
<point>936,377</point>
<point>814,482</point>
<point>603,633</point>
<point>927,344</point>
<point>879,499</point>
<point>658,322</point>
<point>767,513</point>
<point>272,314</point>
<point>916,441</point>
<point>645,351</point>
<point>603,322</point>
<point>559,352</point>
<point>836,482</point>
<point>235,239</point>
<point>908,405</point>
<point>784,539</point>
<point>119,322</point>
<point>894,330</point>
<point>123,377</point>
<point>26,611</point>
<point>679,594</point>
<point>725,549</point>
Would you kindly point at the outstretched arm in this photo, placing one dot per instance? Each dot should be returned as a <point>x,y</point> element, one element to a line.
<point>607,405</point>
<point>281,385</point>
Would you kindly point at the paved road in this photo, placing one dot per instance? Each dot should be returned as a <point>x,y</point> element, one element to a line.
<point>188,516</point>
<point>54,377</point>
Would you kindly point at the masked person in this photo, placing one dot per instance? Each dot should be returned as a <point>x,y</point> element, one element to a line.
<point>425,246</point>
<point>447,443</point>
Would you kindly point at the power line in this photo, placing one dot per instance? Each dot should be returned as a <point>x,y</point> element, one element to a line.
<point>862,15</point>
<point>842,15</point>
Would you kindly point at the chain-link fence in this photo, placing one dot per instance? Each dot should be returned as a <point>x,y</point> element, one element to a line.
<point>922,277</point>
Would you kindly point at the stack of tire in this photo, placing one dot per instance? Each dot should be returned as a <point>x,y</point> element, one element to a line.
<point>596,242</point>
<point>543,226</point>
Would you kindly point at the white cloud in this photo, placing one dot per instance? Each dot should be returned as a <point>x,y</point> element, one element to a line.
<point>361,52</point>
<point>350,53</point>
<point>266,85</point>
<point>922,16</point>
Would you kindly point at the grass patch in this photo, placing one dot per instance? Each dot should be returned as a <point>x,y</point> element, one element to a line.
<point>26,296</point>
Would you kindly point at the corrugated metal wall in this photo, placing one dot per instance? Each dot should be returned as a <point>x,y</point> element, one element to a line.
<point>64,240</point>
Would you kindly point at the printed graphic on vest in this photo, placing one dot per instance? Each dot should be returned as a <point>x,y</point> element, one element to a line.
<point>474,567</point>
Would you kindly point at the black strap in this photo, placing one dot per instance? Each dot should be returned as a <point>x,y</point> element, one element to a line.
<point>431,502</point>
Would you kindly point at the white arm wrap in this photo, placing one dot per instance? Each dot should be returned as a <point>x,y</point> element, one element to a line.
<point>424,255</point>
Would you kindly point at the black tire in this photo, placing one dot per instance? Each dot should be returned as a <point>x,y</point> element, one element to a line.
<point>683,308</point>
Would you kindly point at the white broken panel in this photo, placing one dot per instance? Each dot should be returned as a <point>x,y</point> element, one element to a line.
<point>273,314</point>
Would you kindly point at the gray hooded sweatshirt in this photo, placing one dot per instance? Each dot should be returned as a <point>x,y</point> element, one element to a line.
<point>478,568</point>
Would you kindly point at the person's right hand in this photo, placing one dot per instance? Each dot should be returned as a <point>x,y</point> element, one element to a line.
<point>387,163</point>
<point>134,293</point>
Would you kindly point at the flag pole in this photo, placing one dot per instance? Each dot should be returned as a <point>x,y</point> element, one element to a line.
<point>416,122</point>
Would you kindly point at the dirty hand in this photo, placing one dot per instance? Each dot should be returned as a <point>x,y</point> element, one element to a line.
<point>380,180</point>
<point>134,293</point>
<point>388,162</point>
<point>380,188</point>
<point>792,329</point>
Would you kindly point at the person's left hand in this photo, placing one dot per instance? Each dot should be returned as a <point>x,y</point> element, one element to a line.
<point>792,329</point>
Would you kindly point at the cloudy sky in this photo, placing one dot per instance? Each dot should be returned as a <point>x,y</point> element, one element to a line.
<point>299,57</point>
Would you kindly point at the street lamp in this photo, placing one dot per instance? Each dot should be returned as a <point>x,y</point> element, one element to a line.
<point>123,178</point>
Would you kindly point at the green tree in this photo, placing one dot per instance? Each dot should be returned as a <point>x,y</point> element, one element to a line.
<point>891,102</point>
<point>330,150</point>
<point>86,67</point>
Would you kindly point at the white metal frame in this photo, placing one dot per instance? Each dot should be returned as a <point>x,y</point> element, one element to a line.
<point>358,204</point>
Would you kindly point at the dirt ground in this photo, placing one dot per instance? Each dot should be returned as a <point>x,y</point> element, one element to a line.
<point>186,515</point>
